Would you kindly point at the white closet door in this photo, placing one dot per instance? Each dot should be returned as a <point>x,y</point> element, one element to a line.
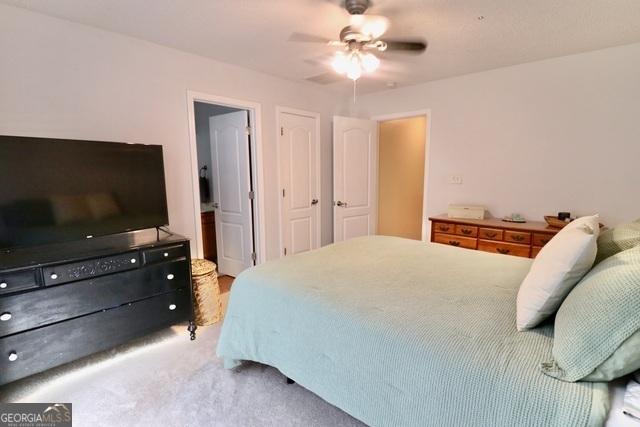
<point>355,177</point>
<point>299,179</point>
<point>231,186</point>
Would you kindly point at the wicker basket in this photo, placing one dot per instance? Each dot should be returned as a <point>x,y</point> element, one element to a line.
<point>206,292</point>
<point>554,222</point>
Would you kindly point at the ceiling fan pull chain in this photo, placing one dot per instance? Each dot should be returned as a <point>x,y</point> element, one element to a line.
<point>355,82</point>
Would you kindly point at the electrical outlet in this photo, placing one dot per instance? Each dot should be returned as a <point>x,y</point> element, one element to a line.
<point>455,179</point>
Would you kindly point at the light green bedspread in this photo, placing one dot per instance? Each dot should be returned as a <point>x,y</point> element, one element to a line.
<point>402,333</point>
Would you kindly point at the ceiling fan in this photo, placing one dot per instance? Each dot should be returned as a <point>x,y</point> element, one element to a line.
<point>359,43</point>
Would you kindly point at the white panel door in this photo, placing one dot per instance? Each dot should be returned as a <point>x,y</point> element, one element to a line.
<point>231,187</point>
<point>299,179</point>
<point>355,177</point>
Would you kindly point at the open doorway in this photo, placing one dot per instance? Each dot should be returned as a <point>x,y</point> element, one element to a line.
<point>225,185</point>
<point>402,171</point>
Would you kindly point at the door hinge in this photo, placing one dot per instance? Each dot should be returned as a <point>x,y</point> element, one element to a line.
<point>285,251</point>
<point>281,131</point>
<point>252,195</point>
<point>254,256</point>
<point>283,192</point>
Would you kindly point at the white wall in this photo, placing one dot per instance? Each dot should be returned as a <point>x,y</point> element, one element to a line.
<point>556,135</point>
<point>65,80</point>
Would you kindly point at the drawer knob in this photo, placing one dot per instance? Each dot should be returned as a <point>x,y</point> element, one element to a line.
<point>172,307</point>
<point>518,238</point>
<point>503,250</point>
<point>13,356</point>
<point>5,316</point>
<point>491,234</point>
<point>454,243</point>
<point>3,285</point>
<point>170,276</point>
<point>166,254</point>
<point>133,260</point>
<point>443,228</point>
<point>54,276</point>
<point>466,231</point>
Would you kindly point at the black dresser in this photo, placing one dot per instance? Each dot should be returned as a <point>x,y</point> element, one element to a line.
<point>62,302</point>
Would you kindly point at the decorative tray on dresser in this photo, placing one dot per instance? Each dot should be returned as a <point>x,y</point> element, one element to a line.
<point>492,235</point>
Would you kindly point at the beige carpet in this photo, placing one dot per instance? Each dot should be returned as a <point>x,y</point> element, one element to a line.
<point>167,380</point>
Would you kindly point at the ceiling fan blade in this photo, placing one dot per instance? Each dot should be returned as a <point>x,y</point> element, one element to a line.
<point>413,46</point>
<point>307,38</point>
<point>326,78</point>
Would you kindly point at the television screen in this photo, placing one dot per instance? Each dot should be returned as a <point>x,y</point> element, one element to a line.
<point>55,190</point>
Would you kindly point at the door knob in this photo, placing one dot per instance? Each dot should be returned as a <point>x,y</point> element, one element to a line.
<point>314,201</point>
<point>216,205</point>
<point>341,204</point>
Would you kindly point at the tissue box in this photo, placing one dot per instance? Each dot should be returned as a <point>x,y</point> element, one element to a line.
<point>466,211</point>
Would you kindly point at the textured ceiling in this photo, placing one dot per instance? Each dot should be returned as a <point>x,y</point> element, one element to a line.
<point>254,33</point>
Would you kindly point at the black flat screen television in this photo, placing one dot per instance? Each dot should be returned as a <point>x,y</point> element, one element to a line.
<point>56,190</point>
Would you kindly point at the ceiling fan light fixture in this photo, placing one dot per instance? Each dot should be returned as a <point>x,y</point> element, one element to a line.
<point>370,62</point>
<point>340,63</point>
<point>354,69</point>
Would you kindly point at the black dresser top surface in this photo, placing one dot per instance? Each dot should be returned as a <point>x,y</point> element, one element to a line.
<point>85,249</point>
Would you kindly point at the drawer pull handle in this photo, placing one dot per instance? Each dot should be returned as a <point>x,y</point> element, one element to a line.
<point>133,260</point>
<point>443,228</point>
<point>54,276</point>
<point>13,356</point>
<point>503,250</point>
<point>170,276</point>
<point>172,307</point>
<point>466,231</point>
<point>3,285</point>
<point>5,317</point>
<point>517,238</point>
<point>491,234</point>
<point>166,254</point>
<point>454,243</point>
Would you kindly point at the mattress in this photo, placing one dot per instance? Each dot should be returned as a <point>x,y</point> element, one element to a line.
<point>403,333</point>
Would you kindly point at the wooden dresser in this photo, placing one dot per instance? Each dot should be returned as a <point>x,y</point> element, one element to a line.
<point>492,235</point>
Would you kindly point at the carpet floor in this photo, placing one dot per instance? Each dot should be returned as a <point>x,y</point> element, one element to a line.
<point>167,380</point>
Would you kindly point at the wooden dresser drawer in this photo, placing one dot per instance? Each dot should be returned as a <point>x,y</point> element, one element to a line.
<point>49,305</point>
<point>490,233</point>
<point>535,251</point>
<point>540,239</point>
<point>18,281</point>
<point>504,248</point>
<point>40,349</point>
<point>444,227</point>
<point>164,254</point>
<point>521,237</point>
<point>466,230</point>
<point>449,239</point>
<point>64,273</point>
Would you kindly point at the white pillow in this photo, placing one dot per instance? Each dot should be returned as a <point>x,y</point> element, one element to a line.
<point>556,270</point>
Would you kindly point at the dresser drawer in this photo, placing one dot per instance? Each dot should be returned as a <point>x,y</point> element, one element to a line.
<point>444,227</point>
<point>541,239</point>
<point>490,233</point>
<point>49,305</point>
<point>466,230</point>
<point>521,237</point>
<point>449,239</point>
<point>504,248</point>
<point>535,251</point>
<point>64,273</point>
<point>154,255</point>
<point>37,350</point>
<point>18,281</point>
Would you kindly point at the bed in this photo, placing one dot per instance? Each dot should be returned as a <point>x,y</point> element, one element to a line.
<point>403,333</point>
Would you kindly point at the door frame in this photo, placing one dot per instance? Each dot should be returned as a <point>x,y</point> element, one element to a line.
<point>256,162</point>
<point>426,225</point>
<point>316,117</point>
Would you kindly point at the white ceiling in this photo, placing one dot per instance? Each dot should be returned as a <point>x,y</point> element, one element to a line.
<point>254,33</point>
